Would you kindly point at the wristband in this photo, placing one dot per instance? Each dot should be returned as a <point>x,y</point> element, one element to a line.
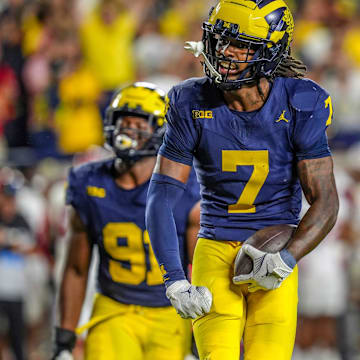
<point>287,258</point>
<point>64,340</point>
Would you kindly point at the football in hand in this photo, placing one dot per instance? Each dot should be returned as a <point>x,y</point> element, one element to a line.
<point>270,239</point>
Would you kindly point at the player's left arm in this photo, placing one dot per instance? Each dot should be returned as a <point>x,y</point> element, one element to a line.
<point>315,172</point>
<point>192,230</point>
<point>318,184</point>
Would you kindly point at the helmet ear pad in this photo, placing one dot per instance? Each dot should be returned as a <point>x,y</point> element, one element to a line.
<point>277,52</point>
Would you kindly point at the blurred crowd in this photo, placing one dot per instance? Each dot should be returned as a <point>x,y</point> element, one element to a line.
<point>61,60</point>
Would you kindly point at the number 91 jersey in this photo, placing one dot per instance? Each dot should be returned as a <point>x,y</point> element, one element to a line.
<point>115,221</point>
<point>246,161</point>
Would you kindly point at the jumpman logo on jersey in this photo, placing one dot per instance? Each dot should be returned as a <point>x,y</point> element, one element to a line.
<point>282,117</point>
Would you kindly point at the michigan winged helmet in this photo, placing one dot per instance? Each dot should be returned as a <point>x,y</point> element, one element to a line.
<point>140,99</point>
<point>264,27</point>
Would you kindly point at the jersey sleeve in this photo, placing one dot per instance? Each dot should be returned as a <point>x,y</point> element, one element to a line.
<point>181,135</point>
<point>76,196</point>
<point>310,137</point>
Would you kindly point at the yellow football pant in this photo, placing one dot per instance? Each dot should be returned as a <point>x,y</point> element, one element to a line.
<point>118,331</point>
<point>264,320</point>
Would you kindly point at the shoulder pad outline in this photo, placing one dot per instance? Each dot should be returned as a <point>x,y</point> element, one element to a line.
<point>304,94</point>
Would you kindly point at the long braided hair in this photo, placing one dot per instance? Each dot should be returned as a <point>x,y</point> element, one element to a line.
<point>290,67</point>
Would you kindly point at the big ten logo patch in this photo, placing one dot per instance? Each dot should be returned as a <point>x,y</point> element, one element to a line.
<point>202,114</point>
<point>96,191</point>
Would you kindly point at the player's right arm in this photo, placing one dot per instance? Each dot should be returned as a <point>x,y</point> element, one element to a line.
<point>166,188</point>
<point>73,287</point>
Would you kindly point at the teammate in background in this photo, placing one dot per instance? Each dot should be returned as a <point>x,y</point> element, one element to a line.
<point>257,133</point>
<point>132,318</point>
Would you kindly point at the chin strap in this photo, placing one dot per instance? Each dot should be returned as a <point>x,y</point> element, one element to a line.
<point>197,49</point>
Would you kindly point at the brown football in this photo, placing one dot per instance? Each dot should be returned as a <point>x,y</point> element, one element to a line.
<point>270,239</point>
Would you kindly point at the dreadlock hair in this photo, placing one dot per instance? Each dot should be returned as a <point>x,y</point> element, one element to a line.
<point>290,67</point>
<point>261,93</point>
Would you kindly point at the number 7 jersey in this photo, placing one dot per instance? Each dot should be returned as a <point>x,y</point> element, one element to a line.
<point>246,161</point>
<point>115,220</point>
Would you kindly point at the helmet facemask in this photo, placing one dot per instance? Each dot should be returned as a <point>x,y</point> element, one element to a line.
<point>131,144</point>
<point>263,56</point>
<point>263,27</point>
<point>134,139</point>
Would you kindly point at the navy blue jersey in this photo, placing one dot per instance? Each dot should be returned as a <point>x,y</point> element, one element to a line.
<point>115,221</point>
<point>246,161</point>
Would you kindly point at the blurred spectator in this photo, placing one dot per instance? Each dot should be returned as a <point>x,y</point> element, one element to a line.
<point>30,199</point>
<point>8,94</point>
<point>351,331</point>
<point>35,23</point>
<point>175,21</point>
<point>107,36</point>
<point>325,34</point>
<point>159,48</point>
<point>78,120</point>
<point>15,128</point>
<point>159,67</point>
<point>16,241</point>
<point>31,204</point>
<point>14,7</point>
<point>351,46</point>
<point>48,27</point>
<point>342,80</point>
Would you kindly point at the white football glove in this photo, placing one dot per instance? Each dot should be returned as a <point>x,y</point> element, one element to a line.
<point>64,355</point>
<point>189,301</point>
<point>269,270</point>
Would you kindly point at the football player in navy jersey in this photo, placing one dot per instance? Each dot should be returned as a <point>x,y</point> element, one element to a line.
<point>132,319</point>
<point>255,129</point>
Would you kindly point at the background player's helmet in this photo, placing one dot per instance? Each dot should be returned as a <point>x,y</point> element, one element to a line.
<point>265,26</point>
<point>140,99</point>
